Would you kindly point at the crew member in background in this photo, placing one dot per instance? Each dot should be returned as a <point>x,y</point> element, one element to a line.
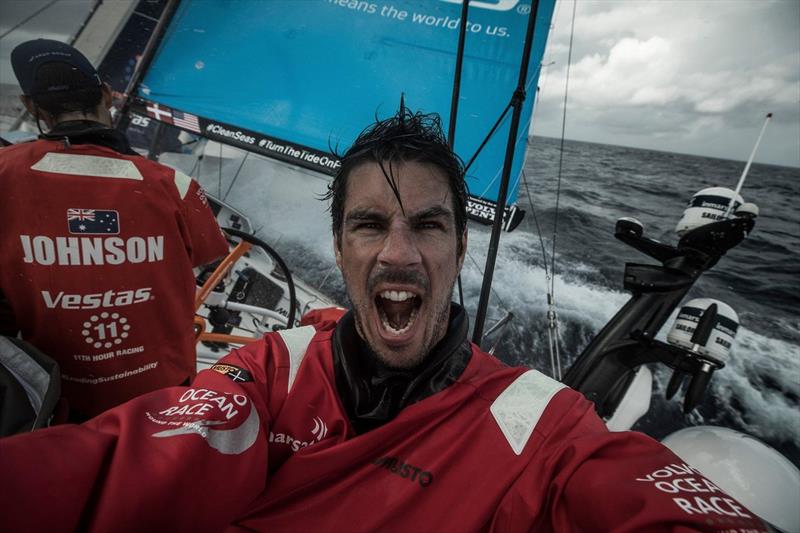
<point>387,420</point>
<point>97,243</point>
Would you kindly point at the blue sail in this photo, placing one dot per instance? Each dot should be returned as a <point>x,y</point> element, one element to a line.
<point>297,80</point>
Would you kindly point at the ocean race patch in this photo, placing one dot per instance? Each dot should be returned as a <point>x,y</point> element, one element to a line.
<point>229,423</point>
<point>235,373</point>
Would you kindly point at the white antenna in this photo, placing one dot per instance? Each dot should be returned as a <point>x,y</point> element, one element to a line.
<point>746,168</point>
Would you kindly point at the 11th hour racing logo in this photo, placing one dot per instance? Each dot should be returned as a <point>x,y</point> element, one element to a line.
<point>319,431</point>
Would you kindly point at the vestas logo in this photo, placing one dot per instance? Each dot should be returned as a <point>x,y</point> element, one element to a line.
<point>94,301</point>
<point>496,5</point>
<point>320,431</point>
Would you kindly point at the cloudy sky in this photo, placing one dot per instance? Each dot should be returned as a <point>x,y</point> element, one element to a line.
<point>691,76</point>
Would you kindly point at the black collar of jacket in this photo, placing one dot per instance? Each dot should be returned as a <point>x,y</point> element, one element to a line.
<point>374,393</point>
<point>89,132</point>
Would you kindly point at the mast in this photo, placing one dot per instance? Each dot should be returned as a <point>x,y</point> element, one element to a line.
<point>451,130</point>
<point>462,31</point>
<point>516,102</point>
<point>121,120</point>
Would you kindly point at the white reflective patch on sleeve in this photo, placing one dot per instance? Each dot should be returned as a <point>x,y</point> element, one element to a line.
<point>518,408</point>
<point>296,341</point>
<point>182,182</point>
<point>88,165</point>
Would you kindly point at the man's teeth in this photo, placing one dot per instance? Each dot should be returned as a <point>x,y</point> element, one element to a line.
<point>397,296</point>
<point>385,321</point>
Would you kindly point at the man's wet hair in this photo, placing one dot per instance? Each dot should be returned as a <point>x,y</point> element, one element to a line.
<point>404,137</point>
<point>57,103</point>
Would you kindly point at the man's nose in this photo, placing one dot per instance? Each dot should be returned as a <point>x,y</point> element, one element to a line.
<point>399,248</point>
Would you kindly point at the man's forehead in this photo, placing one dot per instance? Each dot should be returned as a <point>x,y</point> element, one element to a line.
<point>422,187</point>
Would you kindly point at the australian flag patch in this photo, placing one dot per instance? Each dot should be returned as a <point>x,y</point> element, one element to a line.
<point>93,221</point>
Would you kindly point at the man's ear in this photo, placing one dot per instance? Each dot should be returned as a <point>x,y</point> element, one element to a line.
<point>337,251</point>
<point>28,103</point>
<point>107,95</point>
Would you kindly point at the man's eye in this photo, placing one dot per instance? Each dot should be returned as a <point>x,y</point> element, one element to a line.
<point>428,225</point>
<point>368,226</point>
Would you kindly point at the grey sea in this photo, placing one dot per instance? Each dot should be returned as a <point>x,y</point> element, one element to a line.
<point>758,392</point>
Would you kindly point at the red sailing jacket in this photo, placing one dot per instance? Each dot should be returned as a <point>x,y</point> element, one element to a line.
<point>96,257</point>
<point>261,442</point>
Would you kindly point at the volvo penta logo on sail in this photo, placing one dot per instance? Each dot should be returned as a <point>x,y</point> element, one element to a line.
<point>235,135</point>
<point>81,251</point>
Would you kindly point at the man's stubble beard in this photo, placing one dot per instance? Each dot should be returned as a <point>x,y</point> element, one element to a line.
<point>440,316</point>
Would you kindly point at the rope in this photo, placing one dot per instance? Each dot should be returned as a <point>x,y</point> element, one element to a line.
<point>235,176</point>
<point>219,173</point>
<point>552,316</point>
<point>24,21</point>
<point>561,148</point>
<point>478,268</point>
<point>538,228</point>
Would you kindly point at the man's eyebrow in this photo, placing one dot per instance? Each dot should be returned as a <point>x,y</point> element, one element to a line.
<point>432,212</point>
<point>364,214</point>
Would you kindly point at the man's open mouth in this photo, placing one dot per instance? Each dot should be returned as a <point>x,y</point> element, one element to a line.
<point>397,310</point>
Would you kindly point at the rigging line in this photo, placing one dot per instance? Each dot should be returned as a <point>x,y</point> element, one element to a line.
<point>494,292</point>
<point>27,19</point>
<point>325,279</point>
<point>552,319</point>
<point>200,151</point>
<point>489,135</point>
<point>494,128</point>
<point>194,169</point>
<point>219,172</point>
<point>85,23</point>
<point>561,151</point>
<point>538,228</point>
<point>524,133</point>
<point>236,176</point>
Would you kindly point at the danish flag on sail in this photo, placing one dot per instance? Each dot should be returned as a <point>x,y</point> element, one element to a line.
<point>177,118</point>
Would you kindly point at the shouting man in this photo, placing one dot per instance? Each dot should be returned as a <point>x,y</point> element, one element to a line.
<point>389,420</point>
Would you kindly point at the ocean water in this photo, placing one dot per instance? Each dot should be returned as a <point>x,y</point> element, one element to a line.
<point>758,392</point>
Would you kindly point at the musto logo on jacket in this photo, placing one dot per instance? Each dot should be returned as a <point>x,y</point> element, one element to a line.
<point>228,422</point>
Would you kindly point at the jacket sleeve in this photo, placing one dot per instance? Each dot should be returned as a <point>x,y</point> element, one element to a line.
<point>204,239</point>
<point>178,459</point>
<point>599,481</point>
